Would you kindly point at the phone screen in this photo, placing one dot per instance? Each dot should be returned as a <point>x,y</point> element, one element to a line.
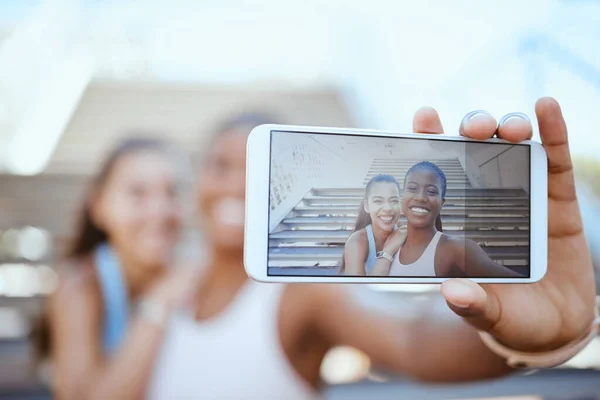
<point>351,205</point>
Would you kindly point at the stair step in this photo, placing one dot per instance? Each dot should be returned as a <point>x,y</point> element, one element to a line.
<point>342,236</point>
<point>448,222</point>
<point>403,171</point>
<point>457,185</point>
<point>396,161</point>
<point>352,211</point>
<point>471,203</point>
<point>301,264</point>
<point>399,177</point>
<point>331,256</point>
<point>400,164</point>
<point>450,192</point>
<point>394,167</point>
<point>449,182</point>
<point>389,169</point>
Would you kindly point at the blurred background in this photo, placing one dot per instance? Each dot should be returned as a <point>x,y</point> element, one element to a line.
<point>75,76</point>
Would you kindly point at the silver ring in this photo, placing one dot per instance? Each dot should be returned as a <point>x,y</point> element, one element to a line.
<point>473,113</point>
<point>513,115</point>
<point>508,116</point>
<point>470,116</point>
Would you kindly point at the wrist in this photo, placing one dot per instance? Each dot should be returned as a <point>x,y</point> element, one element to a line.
<point>153,311</point>
<point>541,359</point>
<point>385,255</point>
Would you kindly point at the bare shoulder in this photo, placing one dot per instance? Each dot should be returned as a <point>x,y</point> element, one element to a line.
<point>358,238</point>
<point>448,251</point>
<point>78,286</point>
<point>450,243</point>
<point>357,245</point>
<point>456,245</point>
<point>453,253</point>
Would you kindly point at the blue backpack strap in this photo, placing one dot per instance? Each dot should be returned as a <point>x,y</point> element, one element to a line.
<point>372,257</point>
<point>115,298</point>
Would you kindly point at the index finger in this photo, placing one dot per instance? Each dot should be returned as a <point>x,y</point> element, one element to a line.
<point>553,132</point>
<point>427,120</point>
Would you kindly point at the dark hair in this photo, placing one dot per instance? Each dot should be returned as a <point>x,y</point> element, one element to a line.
<point>364,218</point>
<point>88,235</point>
<point>246,120</point>
<point>429,166</point>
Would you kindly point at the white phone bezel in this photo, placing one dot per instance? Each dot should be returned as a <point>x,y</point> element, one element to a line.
<point>256,236</point>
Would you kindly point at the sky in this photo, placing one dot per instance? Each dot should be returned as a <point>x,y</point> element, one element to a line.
<point>388,58</point>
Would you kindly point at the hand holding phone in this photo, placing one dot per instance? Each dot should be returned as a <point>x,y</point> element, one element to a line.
<point>534,317</point>
<point>540,316</point>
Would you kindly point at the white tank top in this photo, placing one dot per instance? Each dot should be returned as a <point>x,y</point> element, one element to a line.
<point>424,266</point>
<point>233,355</point>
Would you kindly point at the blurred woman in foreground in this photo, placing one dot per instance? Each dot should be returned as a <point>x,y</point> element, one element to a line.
<point>242,339</point>
<point>123,248</point>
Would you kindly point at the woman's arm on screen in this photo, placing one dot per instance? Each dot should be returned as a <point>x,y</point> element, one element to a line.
<point>474,261</point>
<point>356,252</point>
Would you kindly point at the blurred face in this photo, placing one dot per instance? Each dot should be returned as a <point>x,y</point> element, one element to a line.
<point>422,198</point>
<point>222,190</point>
<point>139,208</point>
<point>383,205</point>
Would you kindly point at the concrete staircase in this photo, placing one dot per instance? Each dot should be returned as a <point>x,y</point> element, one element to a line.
<point>313,234</point>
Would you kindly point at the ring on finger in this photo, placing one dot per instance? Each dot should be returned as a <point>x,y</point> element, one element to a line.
<point>512,115</point>
<point>470,115</point>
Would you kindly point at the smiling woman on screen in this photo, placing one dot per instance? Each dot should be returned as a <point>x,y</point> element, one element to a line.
<point>378,215</point>
<point>424,250</point>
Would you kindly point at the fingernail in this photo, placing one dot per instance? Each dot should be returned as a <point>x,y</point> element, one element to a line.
<point>458,292</point>
<point>462,307</point>
<point>475,113</point>
<point>471,115</point>
<point>514,115</point>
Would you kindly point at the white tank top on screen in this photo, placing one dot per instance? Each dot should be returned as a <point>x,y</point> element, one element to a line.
<point>233,355</point>
<point>424,266</point>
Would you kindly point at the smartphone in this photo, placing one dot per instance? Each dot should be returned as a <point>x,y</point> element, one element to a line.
<point>340,205</point>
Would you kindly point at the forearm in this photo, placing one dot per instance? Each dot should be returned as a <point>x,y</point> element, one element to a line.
<point>424,340</point>
<point>476,262</point>
<point>490,269</point>
<point>442,347</point>
<point>126,374</point>
<point>122,376</point>
<point>354,270</point>
<point>381,267</point>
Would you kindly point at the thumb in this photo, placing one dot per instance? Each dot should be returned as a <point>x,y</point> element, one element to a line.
<point>478,306</point>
